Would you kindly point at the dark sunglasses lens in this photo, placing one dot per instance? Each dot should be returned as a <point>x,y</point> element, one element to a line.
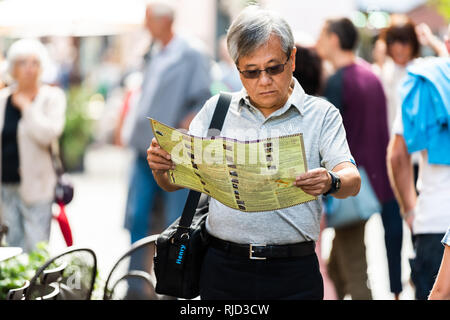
<point>275,69</point>
<point>251,74</point>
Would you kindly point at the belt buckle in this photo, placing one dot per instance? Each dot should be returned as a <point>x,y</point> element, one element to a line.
<point>251,251</point>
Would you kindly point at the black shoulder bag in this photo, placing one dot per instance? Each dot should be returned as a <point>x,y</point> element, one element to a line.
<point>180,248</point>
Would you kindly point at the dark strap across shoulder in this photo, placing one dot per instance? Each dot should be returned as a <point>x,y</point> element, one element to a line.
<point>193,197</point>
<point>221,111</point>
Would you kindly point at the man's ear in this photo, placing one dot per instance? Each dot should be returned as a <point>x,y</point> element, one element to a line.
<point>293,52</point>
<point>334,40</point>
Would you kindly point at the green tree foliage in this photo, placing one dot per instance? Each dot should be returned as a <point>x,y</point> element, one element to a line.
<point>77,132</point>
<point>442,6</point>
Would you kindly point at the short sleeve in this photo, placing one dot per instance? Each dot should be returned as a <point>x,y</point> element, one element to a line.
<point>333,146</point>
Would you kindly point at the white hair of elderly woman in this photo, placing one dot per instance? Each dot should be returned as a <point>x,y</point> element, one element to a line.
<point>27,48</point>
<point>253,28</point>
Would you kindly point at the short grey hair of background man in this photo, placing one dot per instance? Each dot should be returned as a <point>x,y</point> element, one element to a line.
<point>162,8</point>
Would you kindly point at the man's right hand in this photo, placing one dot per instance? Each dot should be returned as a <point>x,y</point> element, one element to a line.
<point>160,162</point>
<point>158,159</point>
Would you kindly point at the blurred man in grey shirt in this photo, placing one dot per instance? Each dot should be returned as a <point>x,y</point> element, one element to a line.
<point>175,86</point>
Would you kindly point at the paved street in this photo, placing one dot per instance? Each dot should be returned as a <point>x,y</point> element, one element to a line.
<point>96,213</point>
<point>96,216</point>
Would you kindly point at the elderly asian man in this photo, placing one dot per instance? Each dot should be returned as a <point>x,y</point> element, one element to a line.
<point>271,104</point>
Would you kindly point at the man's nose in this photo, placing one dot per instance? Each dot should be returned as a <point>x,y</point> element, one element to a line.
<point>265,78</point>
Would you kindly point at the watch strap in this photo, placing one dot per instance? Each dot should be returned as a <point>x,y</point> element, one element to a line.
<point>333,183</point>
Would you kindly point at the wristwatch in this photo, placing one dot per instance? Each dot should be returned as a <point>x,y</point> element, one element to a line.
<point>335,183</point>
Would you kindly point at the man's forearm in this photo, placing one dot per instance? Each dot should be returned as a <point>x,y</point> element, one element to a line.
<point>401,175</point>
<point>402,181</point>
<point>350,182</point>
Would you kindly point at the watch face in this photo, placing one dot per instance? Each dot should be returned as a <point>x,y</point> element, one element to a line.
<point>338,183</point>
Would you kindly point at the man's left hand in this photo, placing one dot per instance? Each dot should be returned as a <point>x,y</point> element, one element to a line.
<point>314,182</point>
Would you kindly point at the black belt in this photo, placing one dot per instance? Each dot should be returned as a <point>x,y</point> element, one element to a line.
<point>262,251</point>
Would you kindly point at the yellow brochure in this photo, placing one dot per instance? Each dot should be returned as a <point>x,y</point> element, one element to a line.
<point>245,175</point>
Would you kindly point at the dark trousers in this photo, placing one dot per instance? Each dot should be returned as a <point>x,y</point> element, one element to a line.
<point>229,277</point>
<point>393,237</point>
<point>425,266</point>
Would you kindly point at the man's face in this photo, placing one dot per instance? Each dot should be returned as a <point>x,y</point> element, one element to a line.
<point>268,92</point>
<point>324,45</point>
<point>154,24</point>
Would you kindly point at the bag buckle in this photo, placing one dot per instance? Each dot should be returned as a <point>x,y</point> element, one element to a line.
<point>251,251</point>
<point>184,236</point>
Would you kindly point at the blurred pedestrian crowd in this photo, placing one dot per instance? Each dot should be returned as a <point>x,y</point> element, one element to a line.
<point>172,81</point>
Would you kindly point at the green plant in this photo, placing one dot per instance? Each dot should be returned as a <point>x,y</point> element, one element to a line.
<point>15,271</point>
<point>97,292</point>
<point>78,128</point>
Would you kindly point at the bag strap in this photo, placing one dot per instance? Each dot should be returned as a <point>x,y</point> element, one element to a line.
<point>193,197</point>
<point>56,159</point>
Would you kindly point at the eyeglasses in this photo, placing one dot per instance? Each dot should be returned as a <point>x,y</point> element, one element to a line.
<point>271,71</point>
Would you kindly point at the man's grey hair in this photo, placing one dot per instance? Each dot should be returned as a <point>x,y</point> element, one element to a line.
<point>162,8</point>
<point>253,27</point>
